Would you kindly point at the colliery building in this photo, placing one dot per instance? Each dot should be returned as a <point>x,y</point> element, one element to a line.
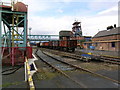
<point>77,34</point>
<point>108,40</point>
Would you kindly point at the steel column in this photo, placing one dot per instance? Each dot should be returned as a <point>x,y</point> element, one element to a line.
<point>0,29</point>
<point>25,30</point>
<point>0,48</point>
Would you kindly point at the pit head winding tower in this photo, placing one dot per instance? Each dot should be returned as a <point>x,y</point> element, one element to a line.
<point>76,29</point>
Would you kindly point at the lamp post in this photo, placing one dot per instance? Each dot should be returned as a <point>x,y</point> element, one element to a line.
<point>29,34</point>
<point>30,30</point>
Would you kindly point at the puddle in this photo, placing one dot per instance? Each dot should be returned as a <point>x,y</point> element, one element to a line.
<point>64,67</point>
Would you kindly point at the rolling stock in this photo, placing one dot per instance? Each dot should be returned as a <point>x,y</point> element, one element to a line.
<point>65,45</point>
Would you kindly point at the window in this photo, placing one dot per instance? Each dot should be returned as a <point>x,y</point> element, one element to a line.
<point>96,44</point>
<point>112,44</point>
<point>90,44</point>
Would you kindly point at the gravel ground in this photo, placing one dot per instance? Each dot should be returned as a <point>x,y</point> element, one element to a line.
<point>92,81</point>
<point>15,80</point>
<point>93,65</point>
<point>47,78</point>
<point>110,73</point>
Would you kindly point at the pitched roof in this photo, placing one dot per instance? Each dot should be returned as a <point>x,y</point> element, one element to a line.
<point>114,31</point>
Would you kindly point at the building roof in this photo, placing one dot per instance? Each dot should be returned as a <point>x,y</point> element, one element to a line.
<point>4,6</point>
<point>114,31</point>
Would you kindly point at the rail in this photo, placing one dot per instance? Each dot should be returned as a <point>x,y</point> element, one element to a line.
<point>81,68</point>
<point>112,60</point>
<point>60,71</point>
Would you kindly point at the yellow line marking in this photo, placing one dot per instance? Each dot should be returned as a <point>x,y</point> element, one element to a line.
<point>30,80</point>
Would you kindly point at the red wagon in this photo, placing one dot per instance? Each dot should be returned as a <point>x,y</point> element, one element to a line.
<point>68,45</point>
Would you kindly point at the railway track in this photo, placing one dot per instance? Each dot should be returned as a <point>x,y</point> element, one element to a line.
<point>88,58</point>
<point>66,54</point>
<point>60,71</point>
<point>109,59</point>
<point>76,67</point>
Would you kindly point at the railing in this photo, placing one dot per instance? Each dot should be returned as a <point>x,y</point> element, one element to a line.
<point>36,37</point>
<point>42,37</point>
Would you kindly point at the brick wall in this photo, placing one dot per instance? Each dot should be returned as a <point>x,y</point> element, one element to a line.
<point>107,45</point>
<point>78,38</point>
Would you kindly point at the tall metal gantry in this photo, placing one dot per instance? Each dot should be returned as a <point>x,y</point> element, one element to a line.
<point>13,24</point>
<point>76,29</point>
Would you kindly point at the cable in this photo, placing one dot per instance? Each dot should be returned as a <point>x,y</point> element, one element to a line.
<point>14,70</point>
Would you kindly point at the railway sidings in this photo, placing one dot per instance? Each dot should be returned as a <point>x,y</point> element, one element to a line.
<point>75,74</point>
<point>86,56</point>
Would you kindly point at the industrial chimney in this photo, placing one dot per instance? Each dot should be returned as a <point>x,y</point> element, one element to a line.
<point>114,25</point>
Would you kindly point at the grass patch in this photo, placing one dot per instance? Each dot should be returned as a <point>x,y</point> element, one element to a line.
<point>43,74</point>
<point>99,66</point>
<point>10,84</point>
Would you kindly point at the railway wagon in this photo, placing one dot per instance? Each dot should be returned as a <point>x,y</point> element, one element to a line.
<point>42,44</point>
<point>50,45</point>
<point>38,44</point>
<point>65,45</point>
<point>68,45</point>
<point>45,44</point>
<point>55,44</point>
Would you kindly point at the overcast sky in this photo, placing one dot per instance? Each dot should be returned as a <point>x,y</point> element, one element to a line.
<point>51,16</point>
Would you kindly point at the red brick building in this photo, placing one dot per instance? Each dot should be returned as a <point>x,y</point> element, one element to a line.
<point>108,40</point>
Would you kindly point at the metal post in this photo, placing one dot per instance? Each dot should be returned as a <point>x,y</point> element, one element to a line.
<point>119,25</point>
<point>17,29</point>
<point>0,47</point>
<point>25,30</point>
<point>30,31</point>
<point>10,36</point>
<point>25,71</point>
<point>0,29</point>
<point>13,59</point>
<point>0,21</point>
<point>13,30</point>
